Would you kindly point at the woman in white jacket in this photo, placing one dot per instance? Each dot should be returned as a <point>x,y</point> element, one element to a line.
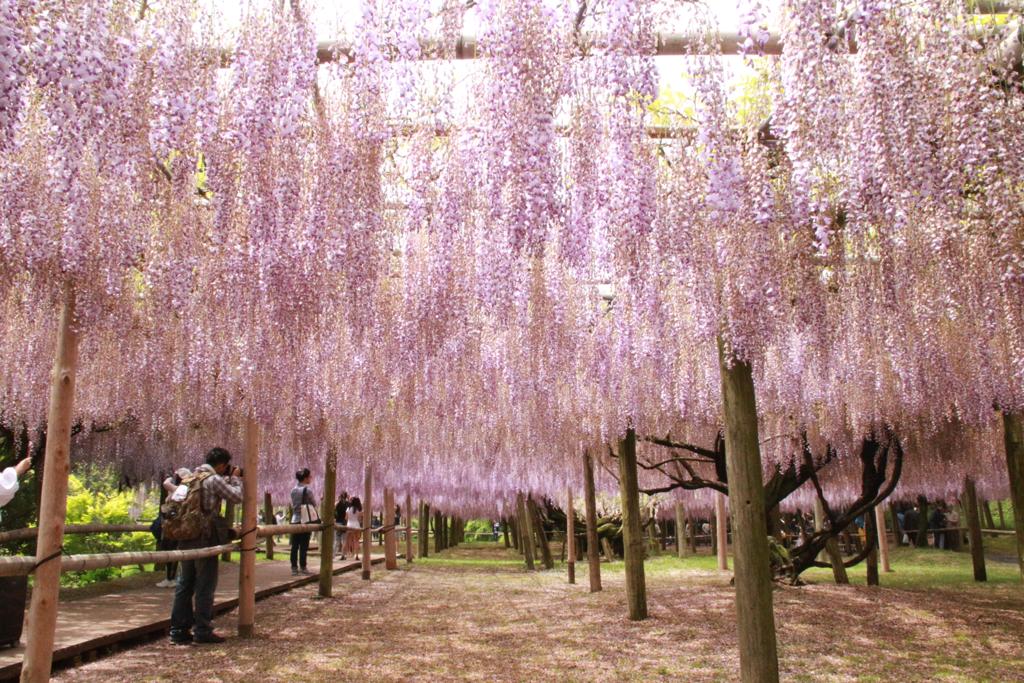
<point>9,480</point>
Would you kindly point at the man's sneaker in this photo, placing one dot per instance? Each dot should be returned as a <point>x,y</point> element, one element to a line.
<point>166,583</point>
<point>295,571</point>
<point>210,638</point>
<point>181,638</point>
<point>305,572</point>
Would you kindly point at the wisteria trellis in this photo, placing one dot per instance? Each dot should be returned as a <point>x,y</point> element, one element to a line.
<point>469,274</point>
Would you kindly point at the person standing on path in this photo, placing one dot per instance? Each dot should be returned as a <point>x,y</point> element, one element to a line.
<point>218,481</point>
<point>172,485</point>
<point>354,522</point>
<point>340,519</point>
<point>304,511</point>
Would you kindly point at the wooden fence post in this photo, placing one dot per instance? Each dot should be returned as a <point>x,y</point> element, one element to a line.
<point>883,538</point>
<point>590,503</point>
<point>268,519</point>
<point>42,614</point>
<point>632,533</point>
<point>526,531</point>
<point>1013,440</point>
<point>756,619</point>
<point>680,530</point>
<point>721,532</point>
<point>329,533</point>
<point>570,535</point>
<point>367,518</point>
<point>408,526</point>
<point>970,505</point>
<point>390,540</point>
<point>247,559</point>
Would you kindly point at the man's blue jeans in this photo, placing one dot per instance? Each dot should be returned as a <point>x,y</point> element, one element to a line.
<point>198,579</point>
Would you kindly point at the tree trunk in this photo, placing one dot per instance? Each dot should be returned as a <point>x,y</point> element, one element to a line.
<point>542,537</point>
<point>871,539</point>
<point>247,554</point>
<point>755,616</point>
<point>974,530</point>
<point>390,537</point>
<point>897,529</point>
<point>990,523</point>
<point>438,535</point>
<point>526,531</point>
<point>408,526</point>
<point>42,615</point>
<point>680,530</point>
<point>606,546</point>
<point>504,533</point>
<point>632,533</point>
<point>721,532</point>
<point>835,558</point>
<point>590,505</point>
<point>268,516</point>
<point>424,539</point>
<point>883,538</point>
<point>1013,439</point>
<point>693,535</point>
<point>367,515</point>
<point>1002,517</point>
<point>570,536</point>
<point>514,528</point>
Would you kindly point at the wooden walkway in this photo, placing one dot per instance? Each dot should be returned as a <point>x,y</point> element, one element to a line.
<point>93,623</point>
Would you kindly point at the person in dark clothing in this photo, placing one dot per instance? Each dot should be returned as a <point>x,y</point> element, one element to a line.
<point>303,512</point>
<point>910,524</point>
<point>197,579</point>
<point>937,524</point>
<point>341,519</point>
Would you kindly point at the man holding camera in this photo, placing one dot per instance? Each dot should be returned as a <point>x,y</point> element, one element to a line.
<point>9,480</point>
<point>218,481</point>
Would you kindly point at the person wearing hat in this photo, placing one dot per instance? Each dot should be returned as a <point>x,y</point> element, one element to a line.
<point>174,487</point>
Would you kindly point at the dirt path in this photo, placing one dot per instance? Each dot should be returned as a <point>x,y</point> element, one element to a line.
<point>474,615</point>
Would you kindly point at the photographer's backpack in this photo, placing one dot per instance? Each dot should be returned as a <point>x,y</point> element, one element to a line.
<point>186,520</point>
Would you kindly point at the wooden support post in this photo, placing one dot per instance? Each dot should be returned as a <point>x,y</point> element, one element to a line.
<point>755,616</point>
<point>680,529</point>
<point>247,559</point>
<point>42,615</point>
<point>229,514</point>
<point>438,535</point>
<point>526,530</point>
<point>408,527</point>
<point>570,536</point>
<point>1013,440</point>
<point>538,529</point>
<point>390,539</point>
<point>516,536</point>
<point>268,518</point>
<point>424,538</point>
<point>721,532</point>
<point>504,533</point>
<point>367,518</point>
<point>1002,515</point>
<point>974,530</point>
<point>871,538</point>
<point>632,533</point>
<point>693,534</point>
<point>590,503</point>
<point>329,533</point>
<point>883,538</point>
